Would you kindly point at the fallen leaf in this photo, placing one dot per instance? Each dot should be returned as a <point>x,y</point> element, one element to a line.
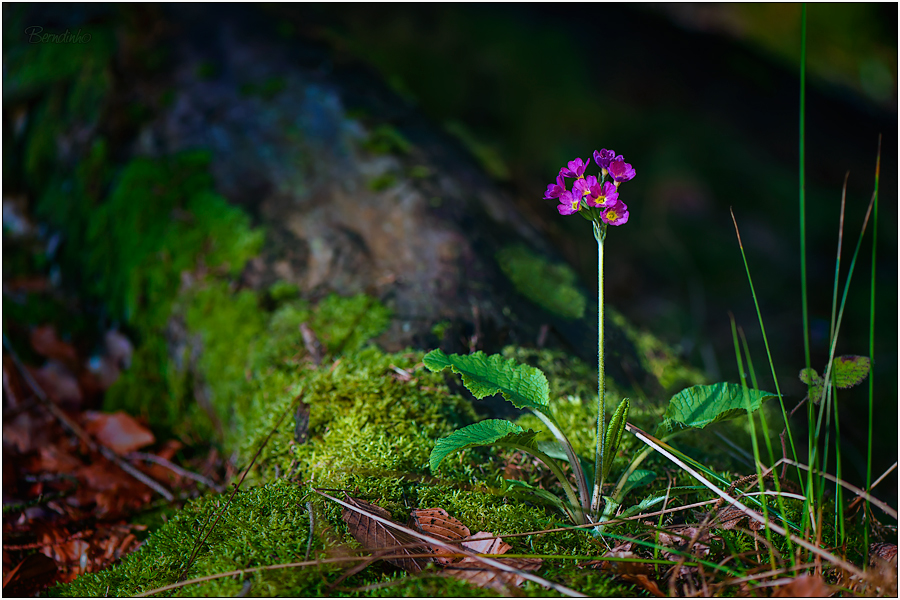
<point>478,573</point>
<point>17,432</point>
<point>437,523</point>
<point>805,586</point>
<point>375,536</point>
<point>29,576</point>
<point>45,341</point>
<point>58,383</point>
<point>642,581</point>
<point>119,431</point>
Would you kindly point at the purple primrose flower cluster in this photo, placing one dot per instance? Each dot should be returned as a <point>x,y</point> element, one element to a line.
<point>589,193</point>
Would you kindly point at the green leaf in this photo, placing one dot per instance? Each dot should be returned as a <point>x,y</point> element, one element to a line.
<point>524,386</point>
<point>614,433</point>
<point>638,478</point>
<point>653,499</point>
<point>850,370</point>
<point>520,489</point>
<point>554,449</point>
<point>702,405</point>
<point>809,376</point>
<point>812,379</point>
<point>485,433</point>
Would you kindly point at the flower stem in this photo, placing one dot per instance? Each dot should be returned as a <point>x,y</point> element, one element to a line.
<point>600,236</point>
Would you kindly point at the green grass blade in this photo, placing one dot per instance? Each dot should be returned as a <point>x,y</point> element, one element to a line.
<point>762,327</point>
<point>872,344</point>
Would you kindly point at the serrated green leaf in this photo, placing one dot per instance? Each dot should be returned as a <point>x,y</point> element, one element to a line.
<point>701,405</point>
<point>850,370</point>
<point>614,433</point>
<point>809,376</point>
<point>485,433</point>
<point>524,386</point>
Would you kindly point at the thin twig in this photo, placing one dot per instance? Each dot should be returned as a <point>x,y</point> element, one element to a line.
<point>196,550</point>
<point>175,468</point>
<point>76,429</point>
<point>848,486</point>
<point>312,528</point>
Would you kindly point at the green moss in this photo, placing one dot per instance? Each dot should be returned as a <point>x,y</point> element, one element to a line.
<point>265,525</point>
<point>658,358</point>
<point>32,68</point>
<point>550,286</point>
<point>382,182</point>
<point>385,139</point>
<point>490,158</point>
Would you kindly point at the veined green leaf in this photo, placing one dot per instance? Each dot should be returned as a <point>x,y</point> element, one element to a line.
<point>638,478</point>
<point>485,433</point>
<point>614,434</point>
<point>524,386</point>
<point>809,376</point>
<point>850,370</point>
<point>702,405</point>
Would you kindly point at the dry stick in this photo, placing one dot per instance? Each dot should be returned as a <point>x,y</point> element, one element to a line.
<point>842,483</point>
<point>774,573</point>
<point>436,542</point>
<point>196,550</point>
<point>76,429</point>
<point>175,468</point>
<point>650,441</point>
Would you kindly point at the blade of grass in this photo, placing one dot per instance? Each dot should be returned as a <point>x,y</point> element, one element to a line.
<point>762,328</point>
<point>872,344</point>
<point>839,507</point>
<point>753,441</point>
<point>811,440</point>
<point>765,427</point>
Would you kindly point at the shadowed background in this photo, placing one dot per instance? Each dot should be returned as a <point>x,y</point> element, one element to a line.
<point>704,102</point>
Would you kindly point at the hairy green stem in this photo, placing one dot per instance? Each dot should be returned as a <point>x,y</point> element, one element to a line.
<point>599,235</point>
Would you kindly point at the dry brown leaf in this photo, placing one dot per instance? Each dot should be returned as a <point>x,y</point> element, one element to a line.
<point>119,431</point>
<point>805,586</point>
<point>58,383</point>
<point>732,516</point>
<point>437,523</point>
<point>644,582</point>
<point>477,573</point>
<point>29,576</point>
<point>46,342</point>
<point>375,536</point>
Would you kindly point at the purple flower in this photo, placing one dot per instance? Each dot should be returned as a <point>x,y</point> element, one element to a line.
<point>604,195</point>
<point>569,203</point>
<point>604,157</point>
<point>576,168</point>
<point>620,171</point>
<point>586,188</point>
<point>554,190</point>
<point>615,215</point>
